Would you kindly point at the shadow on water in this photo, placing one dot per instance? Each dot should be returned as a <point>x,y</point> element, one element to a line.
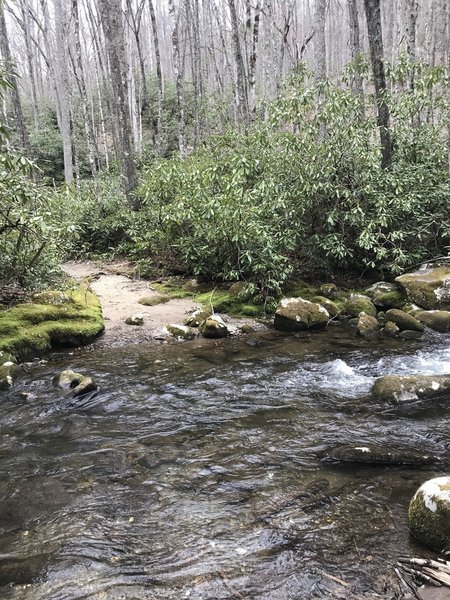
<point>196,471</point>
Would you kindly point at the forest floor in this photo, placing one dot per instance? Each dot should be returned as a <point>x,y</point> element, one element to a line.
<point>119,292</point>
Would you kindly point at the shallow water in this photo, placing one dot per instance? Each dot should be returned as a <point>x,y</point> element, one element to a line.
<point>195,472</point>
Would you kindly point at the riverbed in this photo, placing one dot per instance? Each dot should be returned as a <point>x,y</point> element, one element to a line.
<point>197,471</point>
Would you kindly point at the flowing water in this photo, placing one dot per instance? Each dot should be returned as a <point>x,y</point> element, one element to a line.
<point>196,471</point>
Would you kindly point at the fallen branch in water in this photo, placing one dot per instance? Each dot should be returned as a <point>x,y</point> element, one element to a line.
<point>413,572</point>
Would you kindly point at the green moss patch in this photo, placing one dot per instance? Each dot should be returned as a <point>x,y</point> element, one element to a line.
<point>33,328</point>
<point>154,300</point>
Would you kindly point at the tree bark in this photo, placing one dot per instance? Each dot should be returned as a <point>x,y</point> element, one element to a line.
<point>177,66</point>
<point>15,96</point>
<point>320,49</point>
<point>355,49</point>
<point>159,76</point>
<point>373,17</point>
<point>111,18</point>
<point>241,96</point>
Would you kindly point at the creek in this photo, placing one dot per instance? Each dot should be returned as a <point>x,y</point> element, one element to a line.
<point>196,470</point>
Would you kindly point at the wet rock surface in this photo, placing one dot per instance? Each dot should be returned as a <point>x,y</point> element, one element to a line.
<point>429,513</point>
<point>297,314</point>
<point>399,389</point>
<point>380,455</point>
<point>428,287</point>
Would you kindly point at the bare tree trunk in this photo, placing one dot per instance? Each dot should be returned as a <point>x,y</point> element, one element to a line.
<point>30,60</point>
<point>373,17</point>
<point>81,82</point>
<point>242,112</point>
<point>178,78</point>
<point>252,62</point>
<point>159,76</point>
<point>111,18</point>
<point>15,96</point>
<point>320,49</point>
<point>355,47</point>
<point>62,86</point>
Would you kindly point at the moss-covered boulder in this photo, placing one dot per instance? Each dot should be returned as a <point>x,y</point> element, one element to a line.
<point>368,327</point>
<point>409,334</point>
<point>358,303</point>
<point>386,295</point>
<point>296,314</point>
<point>154,300</point>
<point>397,389</point>
<point>428,287</point>
<point>241,290</point>
<point>375,454</point>
<point>52,297</point>
<point>332,308</point>
<point>404,320</point>
<point>32,328</point>
<point>439,320</point>
<point>214,327</point>
<point>329,290</point>
<point>429,513</point>
<point>197,317</point>
<point>182,331</point>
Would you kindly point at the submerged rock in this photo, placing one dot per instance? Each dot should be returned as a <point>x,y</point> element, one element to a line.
<point>429,513</point>
<point>368,327</point>
<point>214,327</point>
<point>76,382</point>
<point>379,455</point>
<point>359,303</point>
<point>403,320</point>
<point>428,287</point>
<point>296,314</point>
<point>398,389</point>
<point>439,320</point>
<point>137,320</point>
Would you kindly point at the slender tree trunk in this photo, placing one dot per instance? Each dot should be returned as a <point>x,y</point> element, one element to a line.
<point>26,28</point>
<point>252,62</point>
<point>320,49</point>
<point>15,96</point>
<point>111,18</point>
<point>178,78</point>
<point>241,87</point>
<point>355,48</point>
<point>62,86</point>
<point>373,17</point>
<point>159,76</point>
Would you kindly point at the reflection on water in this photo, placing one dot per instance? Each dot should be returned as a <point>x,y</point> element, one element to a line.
<point>195,472</point>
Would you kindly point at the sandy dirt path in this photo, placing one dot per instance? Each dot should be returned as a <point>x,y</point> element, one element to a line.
<point>119,295</point>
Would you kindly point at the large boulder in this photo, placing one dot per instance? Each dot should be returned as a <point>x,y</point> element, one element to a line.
<point>386,295</point>
<point>358,303</point>
<point>368,327</point>
<point>429,513</point>
<point>404,320</point>
<point>214,327</point>
<point>296,314</point>
<point>398,389</point>
<point>439,320</point>
<point>428,287</point>
<point>374,454</point>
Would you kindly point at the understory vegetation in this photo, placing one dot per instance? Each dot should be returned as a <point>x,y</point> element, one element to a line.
<point>300,192</point>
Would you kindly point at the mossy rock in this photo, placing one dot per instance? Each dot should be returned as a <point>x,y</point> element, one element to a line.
<point>214,327</point>
<point>154,300</point>
<point>29,329</point>
<point>439,320</point>
<point>368,327</point>
<point>428,287</point>
<point>78,384</point>
<point>297,314</point>
<point>249,310</point>
<point>8,374</point>
<point>241,290</point>
<point>197,317</point>
<point>329,290</point>
<point>136,320</point>
<point>429,513</point>
<point>373,454</point>
<point>386,295</point>
<point>331,307</point>
<point>391,329</point>
<point>404,320</point>
<point>357,303</point>
<point>52,297</point>
<point>398,389</point>
<point>182,331</point>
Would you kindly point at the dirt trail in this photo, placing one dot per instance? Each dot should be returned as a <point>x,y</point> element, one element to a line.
<point>119,295</point>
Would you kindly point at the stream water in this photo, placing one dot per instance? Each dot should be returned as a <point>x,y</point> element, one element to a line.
<point>196,471</point>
